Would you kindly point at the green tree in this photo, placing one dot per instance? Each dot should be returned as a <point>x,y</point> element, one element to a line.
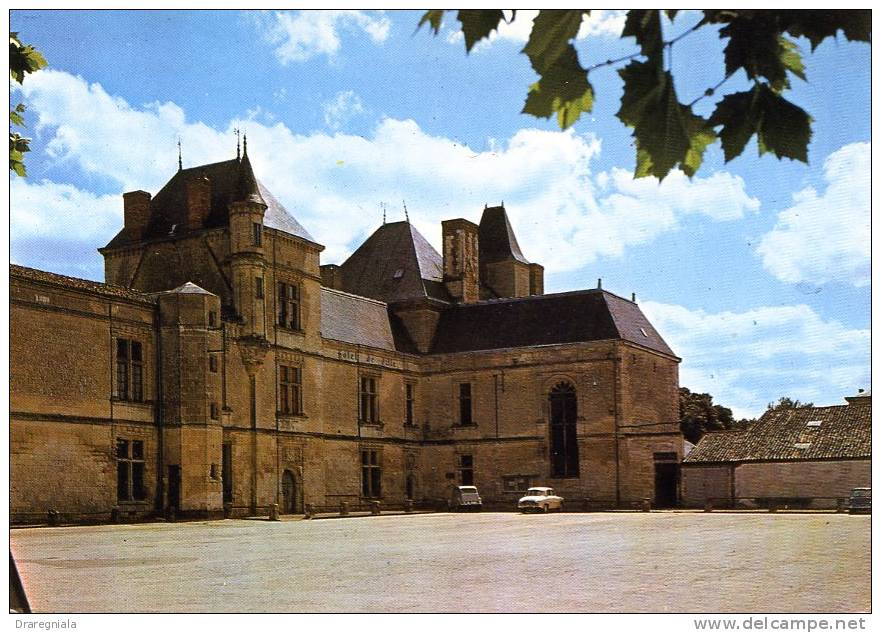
<point>787,403</point>
<point>23,60</point>
<point>698,415</point>
<point>668,134</point>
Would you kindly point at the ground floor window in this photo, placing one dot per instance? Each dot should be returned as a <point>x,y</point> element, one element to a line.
<point>226,473</point>
<point>466,470</point>
<point>129,470</point>
<point>371,474</point>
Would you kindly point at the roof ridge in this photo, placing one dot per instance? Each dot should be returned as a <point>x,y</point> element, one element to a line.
<point>354,296</point>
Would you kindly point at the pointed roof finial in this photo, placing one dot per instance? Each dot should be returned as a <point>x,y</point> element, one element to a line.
<point>180,160</point>
<point>238,149</point>
<point>245,145</point>
<point>382,206</point>
<point>406,215</point>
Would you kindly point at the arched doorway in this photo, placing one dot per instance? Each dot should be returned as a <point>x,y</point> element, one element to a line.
<point>289,493</point>
<point>564,431</point>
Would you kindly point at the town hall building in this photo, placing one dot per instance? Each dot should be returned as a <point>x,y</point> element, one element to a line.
<point>221,369</point>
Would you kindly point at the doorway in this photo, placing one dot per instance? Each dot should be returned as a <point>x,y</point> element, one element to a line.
<point>666,484</point>
<point>174,488</point>
<point>289,493</point>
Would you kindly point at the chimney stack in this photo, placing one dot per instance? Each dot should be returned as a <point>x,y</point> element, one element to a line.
<point>461,270</point>
<point>136,212</point>
<point>198,201</point>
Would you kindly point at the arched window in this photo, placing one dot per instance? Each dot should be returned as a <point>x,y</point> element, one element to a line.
<point>564,438</point>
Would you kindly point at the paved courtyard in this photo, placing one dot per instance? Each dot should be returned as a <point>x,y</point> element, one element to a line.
<point>612,562</point>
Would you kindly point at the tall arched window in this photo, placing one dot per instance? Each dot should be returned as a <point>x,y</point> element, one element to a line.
<point>564,439</point>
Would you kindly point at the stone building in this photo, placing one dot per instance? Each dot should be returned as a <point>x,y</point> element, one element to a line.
<point>803,457</point>
<point>221,369</point>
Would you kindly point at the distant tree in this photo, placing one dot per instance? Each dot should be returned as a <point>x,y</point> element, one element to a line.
<point>761,46</point>
<point>698,415</point>
<point>787,403</point>
<point>24,59</point>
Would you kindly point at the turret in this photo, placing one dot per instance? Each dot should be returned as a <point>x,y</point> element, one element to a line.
<point>461,270</point>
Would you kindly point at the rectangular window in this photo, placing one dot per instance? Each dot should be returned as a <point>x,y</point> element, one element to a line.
<point>226,473</point>
<point>289,306</point>
<point>368,411</point>
<point>129,370</point>
<point>290,389</point>
<point>409,402</point>
<point>258,287</point>
<point>129,470</point>
<point>212,364</point>
<point>258,234</point>
<point>371,475</point>
<point>465,418</point>
<point>466,470</point>
<point>212,318</point>
<point>214,414</point>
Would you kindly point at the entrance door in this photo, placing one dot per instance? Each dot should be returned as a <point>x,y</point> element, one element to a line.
<point>666,484</point>
<point>289,493</point>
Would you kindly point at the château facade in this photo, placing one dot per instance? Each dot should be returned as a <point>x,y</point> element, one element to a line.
<point>221,369</point>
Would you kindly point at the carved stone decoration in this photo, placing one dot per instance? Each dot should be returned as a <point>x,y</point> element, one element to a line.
<point>253,350</point>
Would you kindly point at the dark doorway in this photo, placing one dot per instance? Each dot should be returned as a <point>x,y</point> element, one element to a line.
<point>174,488</point>
<point>564,431</point>
<point>289,493</point>
<point>411,486</point>
<point>666,484</point>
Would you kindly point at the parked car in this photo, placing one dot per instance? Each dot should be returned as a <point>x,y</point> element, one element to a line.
<point>861,501</point>
<point>540,499</point>
<point>465,498</point>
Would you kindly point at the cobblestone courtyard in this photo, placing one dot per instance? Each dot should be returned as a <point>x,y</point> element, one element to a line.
<point>614,562</point>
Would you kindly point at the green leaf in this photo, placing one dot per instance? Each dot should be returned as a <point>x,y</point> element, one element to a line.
<point>434,17</point>
<point>739,118</point>
<point>755,45</point>
<point>15,118</point>
<point>563,89</point>
<point>785,128</point>
<point>645,26</point>
<point>478,24</point>
<point>791,58</point>
<point>17,167</point>
<point>552,31</point>
<point>671,13</point>
<point>818,24</point>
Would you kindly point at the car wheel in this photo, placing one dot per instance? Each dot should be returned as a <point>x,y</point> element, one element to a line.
<point>545,509</point>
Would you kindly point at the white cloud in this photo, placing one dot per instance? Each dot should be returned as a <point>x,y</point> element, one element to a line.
<point>748,359</point>
<point>340,110</point>
<point>565,215</point>
<point>298,36</point>
<point>825,236</point>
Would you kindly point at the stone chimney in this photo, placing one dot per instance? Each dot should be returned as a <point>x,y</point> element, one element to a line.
<point>461,270</point>
<point>198,201</point>
<point>331,276</point>
<point>536,279</point>
<point>136,212</point>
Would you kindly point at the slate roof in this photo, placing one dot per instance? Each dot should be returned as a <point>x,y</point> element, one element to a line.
<point>75,283</point>
<point>495,238</point>
<point>231,181</point>
<point>353,319</point>
<point>396,263</point>
<point>568,317</point>
<point>844,433</point>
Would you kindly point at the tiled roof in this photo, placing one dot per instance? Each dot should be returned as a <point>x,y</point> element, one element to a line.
<point>570,317</point>
<point>76,283</point>
<point>496,240</point>
<point>357,320</point>
<point>231,180</point>
<point>843,432</point>
<point>396,263</point>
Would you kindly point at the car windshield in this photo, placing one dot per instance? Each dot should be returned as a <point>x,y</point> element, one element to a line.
<point>857,492</point>
<point>536,492</point>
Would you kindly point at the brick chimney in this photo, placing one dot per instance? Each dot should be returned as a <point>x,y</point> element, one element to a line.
<point>198,201</point>
<point>136,212</point>
<point>536,279</point>
<point>461,271</point>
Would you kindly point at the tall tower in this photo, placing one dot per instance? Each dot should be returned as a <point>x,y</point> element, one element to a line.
<point>247,261</point>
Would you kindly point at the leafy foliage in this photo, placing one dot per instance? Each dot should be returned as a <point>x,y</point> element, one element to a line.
<point>787,403</point>
<point>23,60</point>
<point>698,415</point>
<point>667,133</point>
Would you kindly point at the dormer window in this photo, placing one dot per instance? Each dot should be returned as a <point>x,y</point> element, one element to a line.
<point>258,234</point>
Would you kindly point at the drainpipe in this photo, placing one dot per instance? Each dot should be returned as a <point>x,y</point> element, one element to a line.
<point>617,362</point>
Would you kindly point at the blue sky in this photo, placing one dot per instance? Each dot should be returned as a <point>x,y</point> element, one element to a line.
<point>756,271</point>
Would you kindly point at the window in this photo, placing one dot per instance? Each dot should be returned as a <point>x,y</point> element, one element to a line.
<point>564,431</point>
<point>409,402</point>
<point>289,306</point>
<point>258,287</point>
<point>465,418</point>
<point>212,318</point>
<point>289,389</point>
<point>226,473</point>
<point>129,370</point>
<point>258,234</point>
<point>214,413</point>
<point>212,363</point>
<point>129,470</point>
<point>368,410</point>
<point>371,474</point>
<point>466,470</point>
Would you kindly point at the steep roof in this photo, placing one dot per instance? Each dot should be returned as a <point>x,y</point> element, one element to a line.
<point>838,432</point>
<point>496,239</point>
<point>396,263</point>
<point>231,181</point>
<point>352,319</point>
<point>568,317</point>
<point>75,283</point>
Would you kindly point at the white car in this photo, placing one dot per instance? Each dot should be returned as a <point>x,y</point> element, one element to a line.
<point>540,499</point>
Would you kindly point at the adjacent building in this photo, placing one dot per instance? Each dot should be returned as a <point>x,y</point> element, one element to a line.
<point>221,368</point>
<point>802,457</point>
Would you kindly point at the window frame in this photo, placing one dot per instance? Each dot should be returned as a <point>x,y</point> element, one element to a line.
<point>465,420</point>
<point>368,400</point>
<point>464,468</point>
<point>130,469</point>
<point>409,403</point>
<point>289,304</point>
<point>257,233</point>
<point>129,373</point>
<point>371,473</point>
<point>290,392</point>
